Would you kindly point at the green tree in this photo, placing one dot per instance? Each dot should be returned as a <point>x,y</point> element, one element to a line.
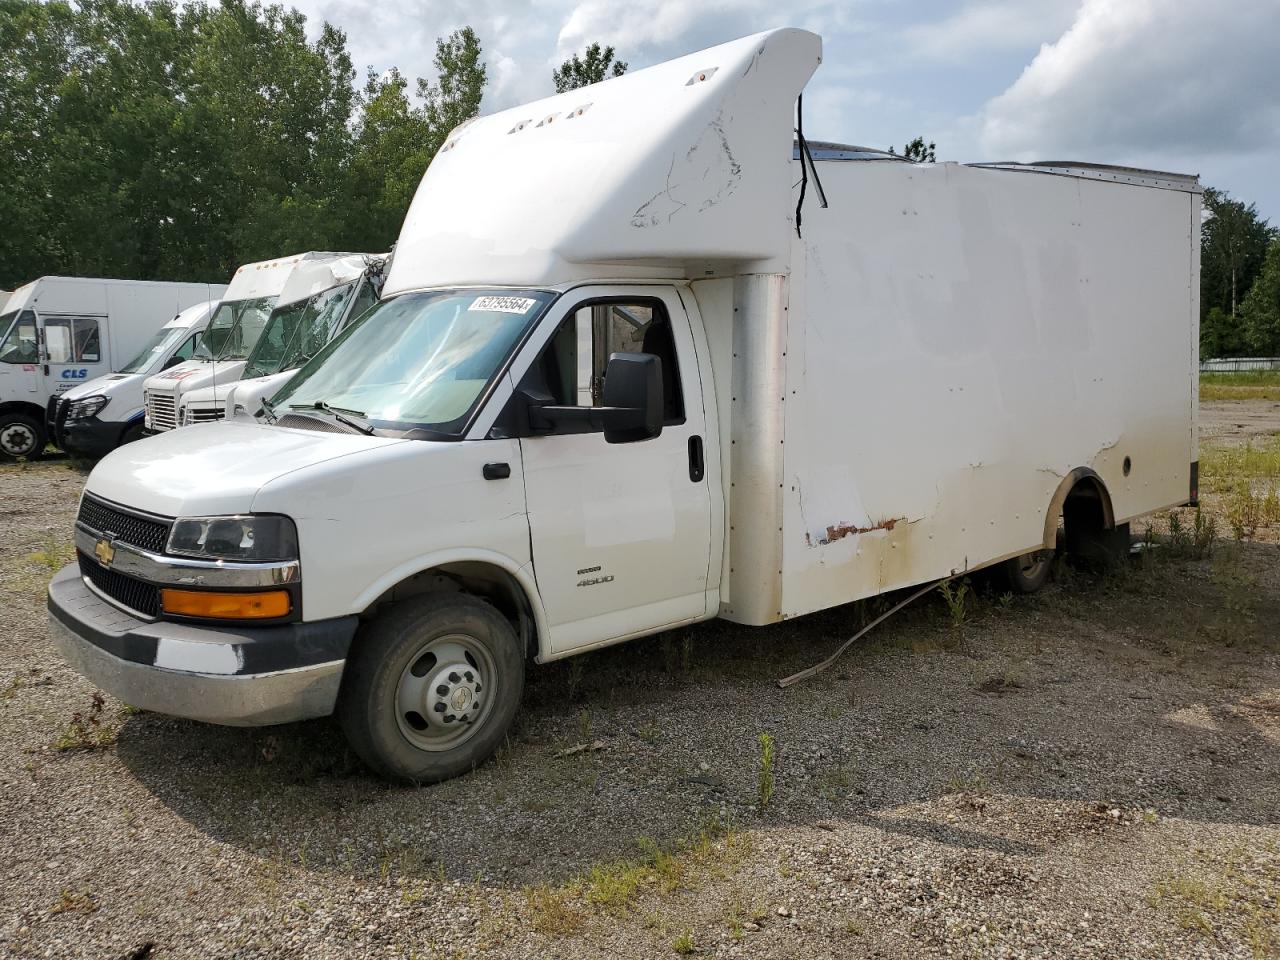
<point>36,40</point>
<point>461,76</point>
<point>596,63</point>
<point>395,140</point>
<point>1260,310</point>
<point>917,151</point>
<point>392,147</point>
<point>1233,244</point>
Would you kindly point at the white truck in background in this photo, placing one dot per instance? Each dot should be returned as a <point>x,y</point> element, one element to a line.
<point>230,337</point>
<point>59,332</point>
<point>94,418</point>
<point>317,302</point>
<point>627,374</point>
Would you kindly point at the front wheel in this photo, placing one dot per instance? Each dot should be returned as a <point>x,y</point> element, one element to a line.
<point>20,436</point>
<point>431,687</point>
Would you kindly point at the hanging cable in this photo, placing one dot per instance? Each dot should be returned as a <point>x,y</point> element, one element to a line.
<point>806,164</point>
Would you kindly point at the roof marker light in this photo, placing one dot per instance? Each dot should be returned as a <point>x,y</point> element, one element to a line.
<point>578,112</point>
<point>701,76</point>
<point>519,126</point>
<point>547,119</point>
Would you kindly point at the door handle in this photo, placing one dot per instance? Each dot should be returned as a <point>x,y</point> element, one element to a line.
<point>46,369</point>
<point>697,466</point>
<point>497,471</point>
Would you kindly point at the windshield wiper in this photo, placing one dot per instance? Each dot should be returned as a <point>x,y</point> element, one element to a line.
<point>337,414</point>
<point>269,409</point>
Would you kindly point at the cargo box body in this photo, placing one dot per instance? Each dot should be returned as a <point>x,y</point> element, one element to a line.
<point>951,345</point>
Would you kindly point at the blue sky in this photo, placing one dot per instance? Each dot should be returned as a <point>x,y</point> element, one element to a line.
<point>1172,84</point>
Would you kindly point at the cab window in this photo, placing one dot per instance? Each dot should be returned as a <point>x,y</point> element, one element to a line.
<point>572,366</point>
<point>72,340</point>
<point>20,345</point>
<point>185,351</point>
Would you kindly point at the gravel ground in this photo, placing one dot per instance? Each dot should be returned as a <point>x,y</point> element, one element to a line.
<point>1091,772</point>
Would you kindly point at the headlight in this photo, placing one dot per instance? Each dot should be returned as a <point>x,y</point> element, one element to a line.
<point>249,537</point>
<point>88,407</point>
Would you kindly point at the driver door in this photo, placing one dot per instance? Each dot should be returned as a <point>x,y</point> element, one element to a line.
<point>620,531</point>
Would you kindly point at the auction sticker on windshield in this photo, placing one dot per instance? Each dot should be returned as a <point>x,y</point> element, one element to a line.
<point>503,304</point>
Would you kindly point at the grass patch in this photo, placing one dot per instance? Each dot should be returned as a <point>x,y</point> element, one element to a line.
<point>86,729</point>
<point>1222,468</point>
<point>550,912</point>
<point>683,944</point>
<point>1247,385</point>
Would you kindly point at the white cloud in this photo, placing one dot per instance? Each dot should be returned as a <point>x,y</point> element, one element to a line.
<point>989,26</point>
<point>678,26</point>
<point>1142,78</point>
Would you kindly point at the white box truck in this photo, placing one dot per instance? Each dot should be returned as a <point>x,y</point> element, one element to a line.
<point>318,301</point>
<point>229,339</point>
<point>94,418</point>
<point>627,374</point>
<point>59,332</point>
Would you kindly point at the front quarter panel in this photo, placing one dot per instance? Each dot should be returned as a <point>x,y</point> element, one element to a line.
<point>369,522</point>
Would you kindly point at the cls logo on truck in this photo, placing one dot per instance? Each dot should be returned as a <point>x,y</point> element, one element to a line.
<point>80,374</point>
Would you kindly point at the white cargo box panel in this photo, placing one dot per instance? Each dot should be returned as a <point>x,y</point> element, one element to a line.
<point>955,342</point>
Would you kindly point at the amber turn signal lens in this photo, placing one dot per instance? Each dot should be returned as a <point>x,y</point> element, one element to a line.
<point>226,606</point>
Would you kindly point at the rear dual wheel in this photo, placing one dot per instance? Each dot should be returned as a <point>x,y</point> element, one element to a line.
<point>1029,572</point>
<point>431,687</point>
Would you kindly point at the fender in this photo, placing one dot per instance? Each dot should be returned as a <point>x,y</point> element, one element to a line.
<point>523,575</point>
<point>1060,495</point>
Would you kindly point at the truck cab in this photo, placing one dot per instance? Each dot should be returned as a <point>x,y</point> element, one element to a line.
<point>57,333</point>
<point>94,418</point>
<point>317,303</point>
<point>232,333</point>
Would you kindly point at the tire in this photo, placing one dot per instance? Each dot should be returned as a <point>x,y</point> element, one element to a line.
<point>1029,572</point>
<point>21,436</point>
<point>449,657</point>
<point>131,433</point>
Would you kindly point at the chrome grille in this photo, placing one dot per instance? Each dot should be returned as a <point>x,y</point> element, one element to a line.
<point>194,414</point>
<point>162,411</point>
<point>130,528</point>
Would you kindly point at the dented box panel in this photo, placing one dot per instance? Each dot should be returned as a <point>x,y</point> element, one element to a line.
<point>969,337</point>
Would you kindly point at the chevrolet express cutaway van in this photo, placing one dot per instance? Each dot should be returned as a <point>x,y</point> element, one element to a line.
<point>627,375</point>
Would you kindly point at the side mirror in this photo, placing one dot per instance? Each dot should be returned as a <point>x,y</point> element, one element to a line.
<point>632,407</point>
<point>632,398</point>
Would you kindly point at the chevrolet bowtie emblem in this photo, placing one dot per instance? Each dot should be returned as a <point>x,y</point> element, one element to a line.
<point>104,551</point>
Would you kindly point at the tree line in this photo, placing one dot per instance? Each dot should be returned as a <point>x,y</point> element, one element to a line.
<point>171,140</point>
<point>150,139</point>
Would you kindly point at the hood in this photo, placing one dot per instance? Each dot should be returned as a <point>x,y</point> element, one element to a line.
<point>194,374</point>
<point>101,386</point>
<point>215,468</point>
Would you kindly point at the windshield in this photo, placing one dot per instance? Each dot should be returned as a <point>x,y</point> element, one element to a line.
<point>164,340</point>
<point>297,331</point>
<point>235,328</point>
<point>420,359</point>
<point>19,344</point>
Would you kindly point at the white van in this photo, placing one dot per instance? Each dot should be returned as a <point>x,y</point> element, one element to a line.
<point>59,332</point>
<point>318,301</point>
<point>94,418</point>
<point>230,337</point>
<point>627,374</point>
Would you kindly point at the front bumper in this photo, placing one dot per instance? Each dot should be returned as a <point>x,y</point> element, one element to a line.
<point>240,676</point>
<point>88,436</point>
